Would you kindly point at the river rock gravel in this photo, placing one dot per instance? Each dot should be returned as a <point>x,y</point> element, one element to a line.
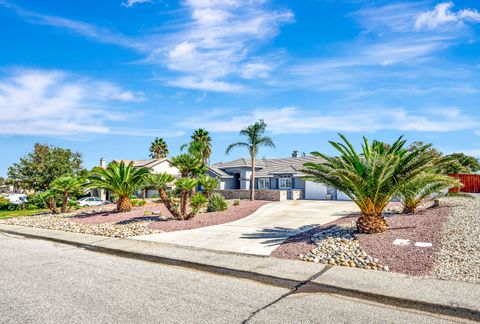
<point>459,256</point>
<point>339,246</point>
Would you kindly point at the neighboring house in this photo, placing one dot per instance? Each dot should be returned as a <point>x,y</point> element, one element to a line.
<point>155,165</point>
<point>273,174</point>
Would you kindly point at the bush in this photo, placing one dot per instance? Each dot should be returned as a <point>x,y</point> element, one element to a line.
<point>138,202</point>
<point>155,196</point>
<point>236,202</point>
<point>216,203</point>
<point>32,207</point>
<point>197,201</point>
<point>4,203</point>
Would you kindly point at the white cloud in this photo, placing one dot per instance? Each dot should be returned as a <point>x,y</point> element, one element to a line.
<point>205,84</point>
<point>87,30</point>
<point>443,14</point>
<point>40,102</point>
<point>131,3</point>
<point>292,120</point>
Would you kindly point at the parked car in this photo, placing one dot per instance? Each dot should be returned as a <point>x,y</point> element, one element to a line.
<point>92,201</point>
<point>17,199</point>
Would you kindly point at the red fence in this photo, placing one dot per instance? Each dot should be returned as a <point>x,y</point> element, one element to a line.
<point>471,182</point>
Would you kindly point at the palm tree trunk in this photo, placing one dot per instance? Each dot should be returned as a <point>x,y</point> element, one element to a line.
<point>124,204</point>
<point>371,224</point>
<point>52,205</point>
<point>64,202</point>
<point>252,178</point>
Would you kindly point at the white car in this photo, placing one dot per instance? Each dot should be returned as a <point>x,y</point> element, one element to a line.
<point>91,201</point>
<point>17,199</point>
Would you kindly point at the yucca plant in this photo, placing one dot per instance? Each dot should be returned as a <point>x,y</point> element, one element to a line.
<point>123,180</point>
<point>370,178</point>
<point>67,185</point>
<point>209,184</point>
<point>186,185</point>
<point>158,182</point>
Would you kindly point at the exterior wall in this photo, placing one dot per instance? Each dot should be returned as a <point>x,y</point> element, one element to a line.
<point>271,195</point>
<point>227,183</point>
<point>298,183</point>
<point>166,167</point>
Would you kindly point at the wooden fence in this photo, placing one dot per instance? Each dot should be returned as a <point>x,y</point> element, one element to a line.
<point>471,182</point>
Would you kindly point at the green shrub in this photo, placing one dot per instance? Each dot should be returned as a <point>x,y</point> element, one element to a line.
<point>216,203</point>
<point>197,201</point>
<point>155,196</point>
<point>32,207</point>
<point>138,202</point>
<point>236,202</point>
<point>4,202</point>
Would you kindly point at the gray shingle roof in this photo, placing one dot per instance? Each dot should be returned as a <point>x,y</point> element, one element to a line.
<point>144,163</point>
<point>269,167</point>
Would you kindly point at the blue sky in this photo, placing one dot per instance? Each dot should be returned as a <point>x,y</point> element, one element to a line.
<point>106,77</point>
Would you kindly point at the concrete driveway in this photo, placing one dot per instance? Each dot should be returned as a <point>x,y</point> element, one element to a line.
<point>261,232</point>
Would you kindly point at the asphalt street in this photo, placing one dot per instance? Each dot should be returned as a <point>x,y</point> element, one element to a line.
<point>47,282</point>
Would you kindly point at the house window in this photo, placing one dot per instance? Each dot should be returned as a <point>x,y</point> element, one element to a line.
<point>285,183</point>
<point>264,183</point>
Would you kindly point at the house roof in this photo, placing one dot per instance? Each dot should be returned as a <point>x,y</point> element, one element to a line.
<point>267,167</point>
<point>144,163</point>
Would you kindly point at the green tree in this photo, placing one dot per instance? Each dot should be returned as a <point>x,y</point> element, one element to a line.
<point>158,148</point>
<point>123,180</point>
<point>255,140</point>
<point>370,178</point>
<point>188,164</point>
<point>39,168</point>
<point>67,186</point>
<point>186,185</point>
<point>49,199</point>
<point>462,164</point>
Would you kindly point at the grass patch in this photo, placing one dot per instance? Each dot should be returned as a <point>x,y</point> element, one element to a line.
<point>16,213</point>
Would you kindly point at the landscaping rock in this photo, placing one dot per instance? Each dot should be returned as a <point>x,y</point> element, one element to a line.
<point>338,246</point>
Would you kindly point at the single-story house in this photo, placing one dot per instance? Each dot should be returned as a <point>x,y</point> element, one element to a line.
<point>282,174</point>
<point>160,165</point>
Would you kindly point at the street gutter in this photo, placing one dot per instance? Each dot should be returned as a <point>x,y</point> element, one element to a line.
<point>451,298</point>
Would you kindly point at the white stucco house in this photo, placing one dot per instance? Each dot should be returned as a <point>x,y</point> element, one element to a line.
<point>155,165</point>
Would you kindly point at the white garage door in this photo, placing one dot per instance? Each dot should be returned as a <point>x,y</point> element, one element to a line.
<point>315,191</point>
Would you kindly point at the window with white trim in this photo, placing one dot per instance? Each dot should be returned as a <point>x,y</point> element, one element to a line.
<point>263,183</point>
<point>285,183</point>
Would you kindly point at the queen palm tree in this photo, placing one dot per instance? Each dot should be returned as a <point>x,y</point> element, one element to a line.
<point>158,148</point>
<point>121,179</point>
<point>66,185</point>
<point>255,140</point>
<point>370,178</point>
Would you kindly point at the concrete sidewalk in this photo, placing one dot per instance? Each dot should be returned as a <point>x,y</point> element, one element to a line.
<point>261,232</point>
<point>457,299</point>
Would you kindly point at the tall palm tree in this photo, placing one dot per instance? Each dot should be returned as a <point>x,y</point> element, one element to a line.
<point>370,178</point>
<point>121,179</point>
<point>255,140</point>
<point>66,185</point>
<point>200,146</point>
<point>158,148</point>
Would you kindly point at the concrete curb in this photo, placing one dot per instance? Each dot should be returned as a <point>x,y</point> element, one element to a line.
<point>456,299</point>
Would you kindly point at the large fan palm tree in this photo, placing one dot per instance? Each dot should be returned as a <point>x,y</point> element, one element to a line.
<point>65,186</point>
<point>370,178</point>
<point>121,179</point>
<point>255,140</point>
<point>158,148</point>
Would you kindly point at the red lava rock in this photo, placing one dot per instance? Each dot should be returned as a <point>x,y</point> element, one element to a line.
<point>425,226</point>
<point>233,213</point>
